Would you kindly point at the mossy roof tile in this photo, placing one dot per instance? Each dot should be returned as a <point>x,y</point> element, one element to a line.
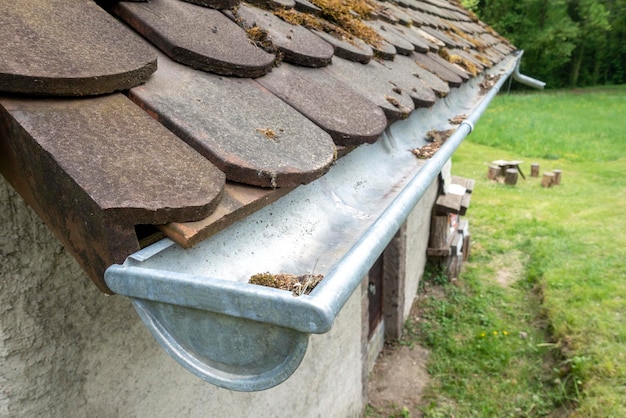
<point>277,131</point>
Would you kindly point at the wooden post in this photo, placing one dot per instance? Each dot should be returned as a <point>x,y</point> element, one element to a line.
<point>510,176</point>
<point>534,170</point>
<point>557,177</point>
<point>493,172</point>
<point>547,180</point>
<point>439,230</point>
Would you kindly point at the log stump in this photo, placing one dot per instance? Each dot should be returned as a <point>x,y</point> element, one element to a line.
<point>547,180</point>
<point>534,170</point>
<point>439,231</point>
<point>557,177</point>
<point>494,172</point>
<point>510,177</point>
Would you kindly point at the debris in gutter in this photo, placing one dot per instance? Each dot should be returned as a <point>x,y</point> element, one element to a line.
<point>457,120</point>
<point>298,285</point>
<point>437,139</point>
<point>489,81</point>
<point>439,136</point>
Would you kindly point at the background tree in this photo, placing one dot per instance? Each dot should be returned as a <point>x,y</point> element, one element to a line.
<point>566,42</point>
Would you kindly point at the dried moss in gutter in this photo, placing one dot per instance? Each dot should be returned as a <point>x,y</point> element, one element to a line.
<point>437,138</point>
<point>298,285</point>
<point>488,82</point>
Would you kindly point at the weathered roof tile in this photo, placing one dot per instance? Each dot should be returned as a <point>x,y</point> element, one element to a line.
<point>197,36</point>
<point>70,48</point>
<point>297,44</point>
<point>250,134</point>
<point>94,168</point>
<point>354,50</point>
<point>282,129</point>
<point>327,102</point>
<point>373,82</point>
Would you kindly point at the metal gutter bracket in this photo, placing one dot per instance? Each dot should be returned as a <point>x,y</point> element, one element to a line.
<point>197,302</point>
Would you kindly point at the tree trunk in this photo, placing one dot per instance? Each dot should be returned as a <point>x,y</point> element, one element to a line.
<point>576,65</point>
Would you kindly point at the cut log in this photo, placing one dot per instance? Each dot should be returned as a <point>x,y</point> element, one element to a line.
<point>439,231</point>
<point>534,170</point>
<point>510,176</point>
<point>547,180</point>
<point>494,172</point>
<point>557,177</point>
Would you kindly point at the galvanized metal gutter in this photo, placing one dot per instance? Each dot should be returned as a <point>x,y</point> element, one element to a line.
<point>197,302</point>
<point>521,78</point>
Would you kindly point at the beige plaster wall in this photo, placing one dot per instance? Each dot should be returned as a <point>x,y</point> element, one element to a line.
<point>68,350</point>
<point>417,233</point>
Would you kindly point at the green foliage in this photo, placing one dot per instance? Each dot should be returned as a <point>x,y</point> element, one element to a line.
<point>566,42</point>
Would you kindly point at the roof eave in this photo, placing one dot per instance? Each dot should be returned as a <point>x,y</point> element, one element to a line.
<point>337,226</point>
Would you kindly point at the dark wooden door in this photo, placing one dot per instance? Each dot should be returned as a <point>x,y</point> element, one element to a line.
<point>375,294</point>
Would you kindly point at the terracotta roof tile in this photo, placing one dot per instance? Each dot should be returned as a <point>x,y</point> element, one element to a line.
<point>36,57</point>
<point>250,134</point>
<point>251,103</point>
<point>327,102</point>
<point>199,37</point>
<point>297,44</point>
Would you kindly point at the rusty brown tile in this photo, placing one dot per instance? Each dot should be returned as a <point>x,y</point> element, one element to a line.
<point>272,4</point>
<point>426,62</point>
<point>403,73</point>
<point>214,4</point>
<point>250,134</point>
<point>440,35</point>
<point>449,66</point>
<point>357,50</point>
<point>374,82</point>
<point>197,36</point>
<point>306,6</point>
<point>297,44</point>
<point>399,13</point>
<point>238,202</point>
<point>408,33</point>
<point>436,84</point>
<point>327,102</point>
<point>94,168</point>
<point>433,43</point>
<point>384,50</point>
<point>385,30</point>
<point>68,47</point>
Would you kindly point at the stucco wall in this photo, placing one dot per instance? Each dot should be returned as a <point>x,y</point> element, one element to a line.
<point>68,350</point>
<point>417,232</point>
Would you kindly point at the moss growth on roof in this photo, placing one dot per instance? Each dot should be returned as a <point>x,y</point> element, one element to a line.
<point>469,66</point>
<point>349,15</point>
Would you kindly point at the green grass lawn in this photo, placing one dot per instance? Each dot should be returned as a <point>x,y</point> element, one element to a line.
<point>536,324</point>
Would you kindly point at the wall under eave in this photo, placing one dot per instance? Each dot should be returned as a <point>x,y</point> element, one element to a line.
<point>417,233</point>
<point>68,350</point>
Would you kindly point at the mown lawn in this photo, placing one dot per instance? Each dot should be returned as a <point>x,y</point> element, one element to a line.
<point>536,324</point>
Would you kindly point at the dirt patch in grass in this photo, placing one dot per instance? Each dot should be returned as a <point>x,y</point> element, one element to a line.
<point>400,376</point>
<point>509,267</point>
<point>397,382</point>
